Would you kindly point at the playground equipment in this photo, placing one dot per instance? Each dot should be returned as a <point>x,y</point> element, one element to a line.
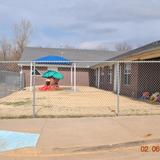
<point>155,97</point>
<point>52,80</point>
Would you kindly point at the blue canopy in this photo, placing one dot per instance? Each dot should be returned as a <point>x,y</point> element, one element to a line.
<point>57,60</point>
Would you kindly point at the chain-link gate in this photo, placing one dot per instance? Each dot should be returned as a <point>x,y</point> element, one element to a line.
<point>86,89</point>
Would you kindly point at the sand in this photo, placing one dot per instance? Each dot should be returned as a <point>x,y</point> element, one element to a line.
<point>87,101</point>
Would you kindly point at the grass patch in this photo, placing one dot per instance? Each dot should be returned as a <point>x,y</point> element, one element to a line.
<point>19,103</point>
<point>73,116</point>
<point>55,116</point>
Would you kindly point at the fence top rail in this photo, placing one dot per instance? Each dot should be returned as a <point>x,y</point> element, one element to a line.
<point>23,62</point>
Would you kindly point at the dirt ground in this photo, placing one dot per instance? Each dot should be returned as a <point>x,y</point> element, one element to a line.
<point>87,101</point>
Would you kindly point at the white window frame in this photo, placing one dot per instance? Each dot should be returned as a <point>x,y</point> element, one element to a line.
<point>102,71</point>
<point>110,74</point>
<point>95,72</point>
<point>127,73</point>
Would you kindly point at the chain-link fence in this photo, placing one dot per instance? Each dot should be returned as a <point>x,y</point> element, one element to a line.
<point>139,88</point>
<point>15,98</point>
<point>79,89</point>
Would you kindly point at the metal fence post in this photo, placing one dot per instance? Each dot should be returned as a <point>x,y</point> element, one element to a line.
<point>72,77</point>
<point>21,78</point>
<point>75,80</point>
<point>118,88</point>
<point>31,76</point>
<point>98,77</point>
<point>33,92</point>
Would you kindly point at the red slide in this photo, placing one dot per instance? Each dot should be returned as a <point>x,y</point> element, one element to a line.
<point>49,88</point>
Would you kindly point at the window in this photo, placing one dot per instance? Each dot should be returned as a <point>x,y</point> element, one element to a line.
<point>36,72</point>
<point>110,75</point>
<point>127,74</point>
<point>102,71</point>
<point>95,72</point>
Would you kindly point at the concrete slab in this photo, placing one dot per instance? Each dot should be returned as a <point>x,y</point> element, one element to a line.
<point>144,127</point>
<point>58,136</point>
<point>64,133</point>
<point>23,125</point>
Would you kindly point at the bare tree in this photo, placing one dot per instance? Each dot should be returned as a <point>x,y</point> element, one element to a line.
<point>15,55</point>
<point>22,33</point>
<point>13,51</point>
<point>5,48</point>
<point>123,47</point>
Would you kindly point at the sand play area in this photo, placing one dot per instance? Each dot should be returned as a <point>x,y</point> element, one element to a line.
<point>87,101</point>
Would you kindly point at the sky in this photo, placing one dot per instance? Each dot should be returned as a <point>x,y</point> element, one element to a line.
<point>87,24</point>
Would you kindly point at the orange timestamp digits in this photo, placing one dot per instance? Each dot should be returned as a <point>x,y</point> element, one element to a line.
<point>147,148</point>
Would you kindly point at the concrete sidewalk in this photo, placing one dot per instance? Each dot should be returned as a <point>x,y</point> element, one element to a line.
<point>66,135</point>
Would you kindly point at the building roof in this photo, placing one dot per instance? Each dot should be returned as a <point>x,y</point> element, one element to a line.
<point>56,60</point>
<point>135,52</point>
<point>31,53</point>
